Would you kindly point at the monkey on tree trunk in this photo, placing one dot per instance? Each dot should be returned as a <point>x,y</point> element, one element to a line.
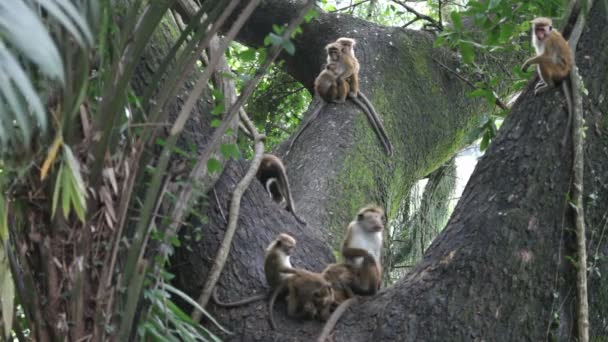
<point>273,176</point>
<point>339,79</point>
<point>554,59</point>
<point>277,268</point>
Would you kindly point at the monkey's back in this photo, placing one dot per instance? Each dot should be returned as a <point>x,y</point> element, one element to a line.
<point>562,56</point>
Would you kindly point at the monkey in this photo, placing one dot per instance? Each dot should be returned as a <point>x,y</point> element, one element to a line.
<point>350,67</point>
<point>277,268</point>
<point>309,296</point>
<point>327,87</point>
<point>335,83</point>
<point>362,248</point>
<point>273,176</point>
<point>340,276</point>
<point>554,61</point>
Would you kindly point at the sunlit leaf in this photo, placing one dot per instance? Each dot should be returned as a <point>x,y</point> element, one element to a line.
<point>51,156</point>
<point>468,55</point>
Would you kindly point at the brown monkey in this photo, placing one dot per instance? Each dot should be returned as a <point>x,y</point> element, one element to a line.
<point>277,267</point>
<point>362,248</point>
<point>273,176</point>
<point>350,67</point>
<point>340,276</point>
<point>309,296</point>
<point>554,59</point>
<point>336,82</point>
<point>328,86</point>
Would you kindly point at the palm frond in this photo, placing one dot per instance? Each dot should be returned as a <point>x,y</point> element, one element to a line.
<point>28,51</point>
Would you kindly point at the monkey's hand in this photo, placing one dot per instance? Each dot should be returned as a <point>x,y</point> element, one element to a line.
<point>353,94</point>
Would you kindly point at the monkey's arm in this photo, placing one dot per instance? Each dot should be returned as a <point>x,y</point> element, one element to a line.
<point>535,60</point>
<point>354,85</point>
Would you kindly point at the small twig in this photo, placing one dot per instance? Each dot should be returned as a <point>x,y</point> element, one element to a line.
<point>419,15</point>
<point>497,101</point>
<point>349,6</point>
<point>235,205</point>
<point>219,205</point>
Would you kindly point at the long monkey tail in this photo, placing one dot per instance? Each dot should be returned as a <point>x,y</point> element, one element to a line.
<point>334,318</point>
<point>378,129</point>
<point>273,298</point>
<point>312,116</point>
<point>241,302</point>
<point>566,88</point>
<point>378,122</point>
<point>284,182</point>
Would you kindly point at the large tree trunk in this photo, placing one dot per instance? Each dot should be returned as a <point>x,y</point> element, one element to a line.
<point>493,273</point>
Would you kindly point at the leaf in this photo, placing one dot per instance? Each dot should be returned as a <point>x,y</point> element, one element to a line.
<point>214,165</point>
<point>485,141</point>
<point>229,150</point>
<point>7,294</point>
<point>493,4</point>
<point>456,20</point>
<point>51,156</point>
<point>289,47</point>
<point>3,219</point>
<point>34,42</point>
<point>311,14</point>
<point>219,109</point>
<point>215,123</point>
<point>196,306</point>
<point>57,190</point>
<point>273,39</point>
<point>467,52</point>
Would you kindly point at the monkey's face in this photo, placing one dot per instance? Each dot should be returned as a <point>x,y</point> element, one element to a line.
<point>372,221</point>
<point>334,54</point>
<point>286,246</point>
<point>542,31</point>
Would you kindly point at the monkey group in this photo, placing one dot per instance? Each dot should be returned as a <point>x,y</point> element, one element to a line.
<point>312,295</point>
<point>326,295</point>
<point>338,80</point>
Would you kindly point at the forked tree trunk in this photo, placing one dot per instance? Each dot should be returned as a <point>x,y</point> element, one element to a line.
<point>494,272</point>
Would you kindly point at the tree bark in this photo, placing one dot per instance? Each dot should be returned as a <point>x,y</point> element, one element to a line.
<point>494,271</point>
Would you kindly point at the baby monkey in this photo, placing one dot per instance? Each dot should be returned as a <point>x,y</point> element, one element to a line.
<point>309,296</point>
<point>554,59</point>
<point>277,268</point>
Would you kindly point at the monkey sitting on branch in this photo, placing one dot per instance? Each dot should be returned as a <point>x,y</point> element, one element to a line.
<point>554,59</point>
<point>362,270</point>
<point>277,268</point>
<point>339,79</point>
<point>273,176</point>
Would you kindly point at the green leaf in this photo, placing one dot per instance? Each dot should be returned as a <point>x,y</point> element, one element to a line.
<point>311,14</point>
<point>289,47</point>
<point>493,4</point>
<point>247,55</point>
<point>229,150</point>
<point>219,109</point>
<point>485,141</point>
<point>35,43</point>
<point>273,39</point>
<point>214,165</point>
<point>7,294</point>
<point>57,190</point>
<point>456,20</point>
<point>215,123</point>
<point>468,55</point>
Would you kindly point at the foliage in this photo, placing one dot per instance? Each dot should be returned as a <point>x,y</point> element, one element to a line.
<point>486,34</point>
<point>23,117</point>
